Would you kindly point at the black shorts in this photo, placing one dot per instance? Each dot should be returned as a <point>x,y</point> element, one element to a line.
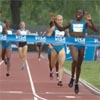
<point>39,44</point>
<point>22,44</point>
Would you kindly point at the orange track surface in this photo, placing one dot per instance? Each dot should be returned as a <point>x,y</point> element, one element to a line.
<point>33,83</point>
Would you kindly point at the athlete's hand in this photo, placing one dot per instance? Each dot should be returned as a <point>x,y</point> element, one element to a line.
<point>50,47</point>
<point>52,16</point>
<point>16,44</point>
<point>52,19</point>
<point>87,16</point>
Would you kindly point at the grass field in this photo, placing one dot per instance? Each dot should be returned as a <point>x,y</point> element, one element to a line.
<point>90,71</point>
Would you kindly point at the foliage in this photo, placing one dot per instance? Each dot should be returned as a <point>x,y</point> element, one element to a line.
<point>37,12</point>
<point>90,71</point>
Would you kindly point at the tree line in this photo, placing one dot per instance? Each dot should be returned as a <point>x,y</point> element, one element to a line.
<point>37,12</point>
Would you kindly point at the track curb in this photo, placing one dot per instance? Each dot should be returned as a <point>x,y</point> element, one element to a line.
<point>89,86</point>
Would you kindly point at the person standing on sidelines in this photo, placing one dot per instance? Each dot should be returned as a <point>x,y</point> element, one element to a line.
<point>57,50</point>
<point>6,46</point>
<point>77,29</point>
<point>22,46</point>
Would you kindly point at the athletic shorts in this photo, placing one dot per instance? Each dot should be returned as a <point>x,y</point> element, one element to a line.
<point>79,47</point>
<point>49,52</point>
<point>6,45</point>
<point>58,48</point>
<point>39,44</point>
<point>22,44</point>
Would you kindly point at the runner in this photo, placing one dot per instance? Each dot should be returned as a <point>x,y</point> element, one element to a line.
<point>78,28</point>
<point>6,46</point>
<point>1,30</point>
<point>49,54</point>
<point>39,47</point>
<point>22,46</point>
<point>57,50</point>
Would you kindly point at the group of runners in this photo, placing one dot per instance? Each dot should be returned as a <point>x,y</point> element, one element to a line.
<point>5,46</point>
<point>78,29</point>
<point>56,52</point>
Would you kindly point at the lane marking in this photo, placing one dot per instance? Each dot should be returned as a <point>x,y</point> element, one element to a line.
<point>32,84</point>
<point>1,62</point>
<point>86,84</point>
<point>35,98</point>
<point>11,92</point>
<point>70,97</point>
<point>69,93</point>
<point>59,93</point>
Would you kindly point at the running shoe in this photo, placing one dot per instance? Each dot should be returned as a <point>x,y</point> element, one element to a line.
<point>7,74</point>
<point>6,61</point>
<point>39,59</point>
<point>71,82</point>
<point>51,75</point>
<point>57,76</point>
<point>22,68</point>
<point>76,90</point>
<point>60,83</point>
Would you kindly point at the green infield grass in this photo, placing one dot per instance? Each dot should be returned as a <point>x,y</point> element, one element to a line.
<point>90,71</point>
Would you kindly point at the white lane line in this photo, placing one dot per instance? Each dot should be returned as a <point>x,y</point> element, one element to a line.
<point>57,93</point>
<point>35,98</point>
<point>70,97</point>
<point>1,62</point>
<point>11,92</point>
<point>32,84</point>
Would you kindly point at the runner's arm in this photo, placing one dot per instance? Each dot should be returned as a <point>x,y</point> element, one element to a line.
<point>91,25</point>
<point>5,28</point>
<point>64,27</point>
<point>18,32</point>
<point>50,31</point>
<point>28,32</point>
<point>67,33</point>
<point>89,22</point>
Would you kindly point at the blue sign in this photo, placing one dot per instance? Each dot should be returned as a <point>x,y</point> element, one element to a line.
<point>89,43</point>
<point>89,54</point>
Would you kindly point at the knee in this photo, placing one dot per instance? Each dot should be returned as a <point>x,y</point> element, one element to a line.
<point>8,59</point>
<point>21,57</point>
<point>78,68</point>
<point>52,65</point>
<point>61,66</point>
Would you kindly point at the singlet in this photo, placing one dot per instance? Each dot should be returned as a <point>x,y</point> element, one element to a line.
<point>58,33</point>
<point>1,27</point>
<point>23,32</point>
<point>9,31</point>
<point>78,27</point>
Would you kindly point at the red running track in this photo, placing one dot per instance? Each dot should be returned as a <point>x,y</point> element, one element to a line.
<point>33,82</point>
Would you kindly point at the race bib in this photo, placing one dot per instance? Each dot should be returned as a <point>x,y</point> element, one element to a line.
<point>59,33</point>
<point>9,32</point>
<point>77,27</point>
<point>1,28</point>
<point>23,32</point>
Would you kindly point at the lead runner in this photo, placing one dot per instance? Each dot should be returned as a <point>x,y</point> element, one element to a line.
<point>78,28</point>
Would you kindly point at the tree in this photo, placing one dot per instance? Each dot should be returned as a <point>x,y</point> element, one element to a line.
<point>15,6</point>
